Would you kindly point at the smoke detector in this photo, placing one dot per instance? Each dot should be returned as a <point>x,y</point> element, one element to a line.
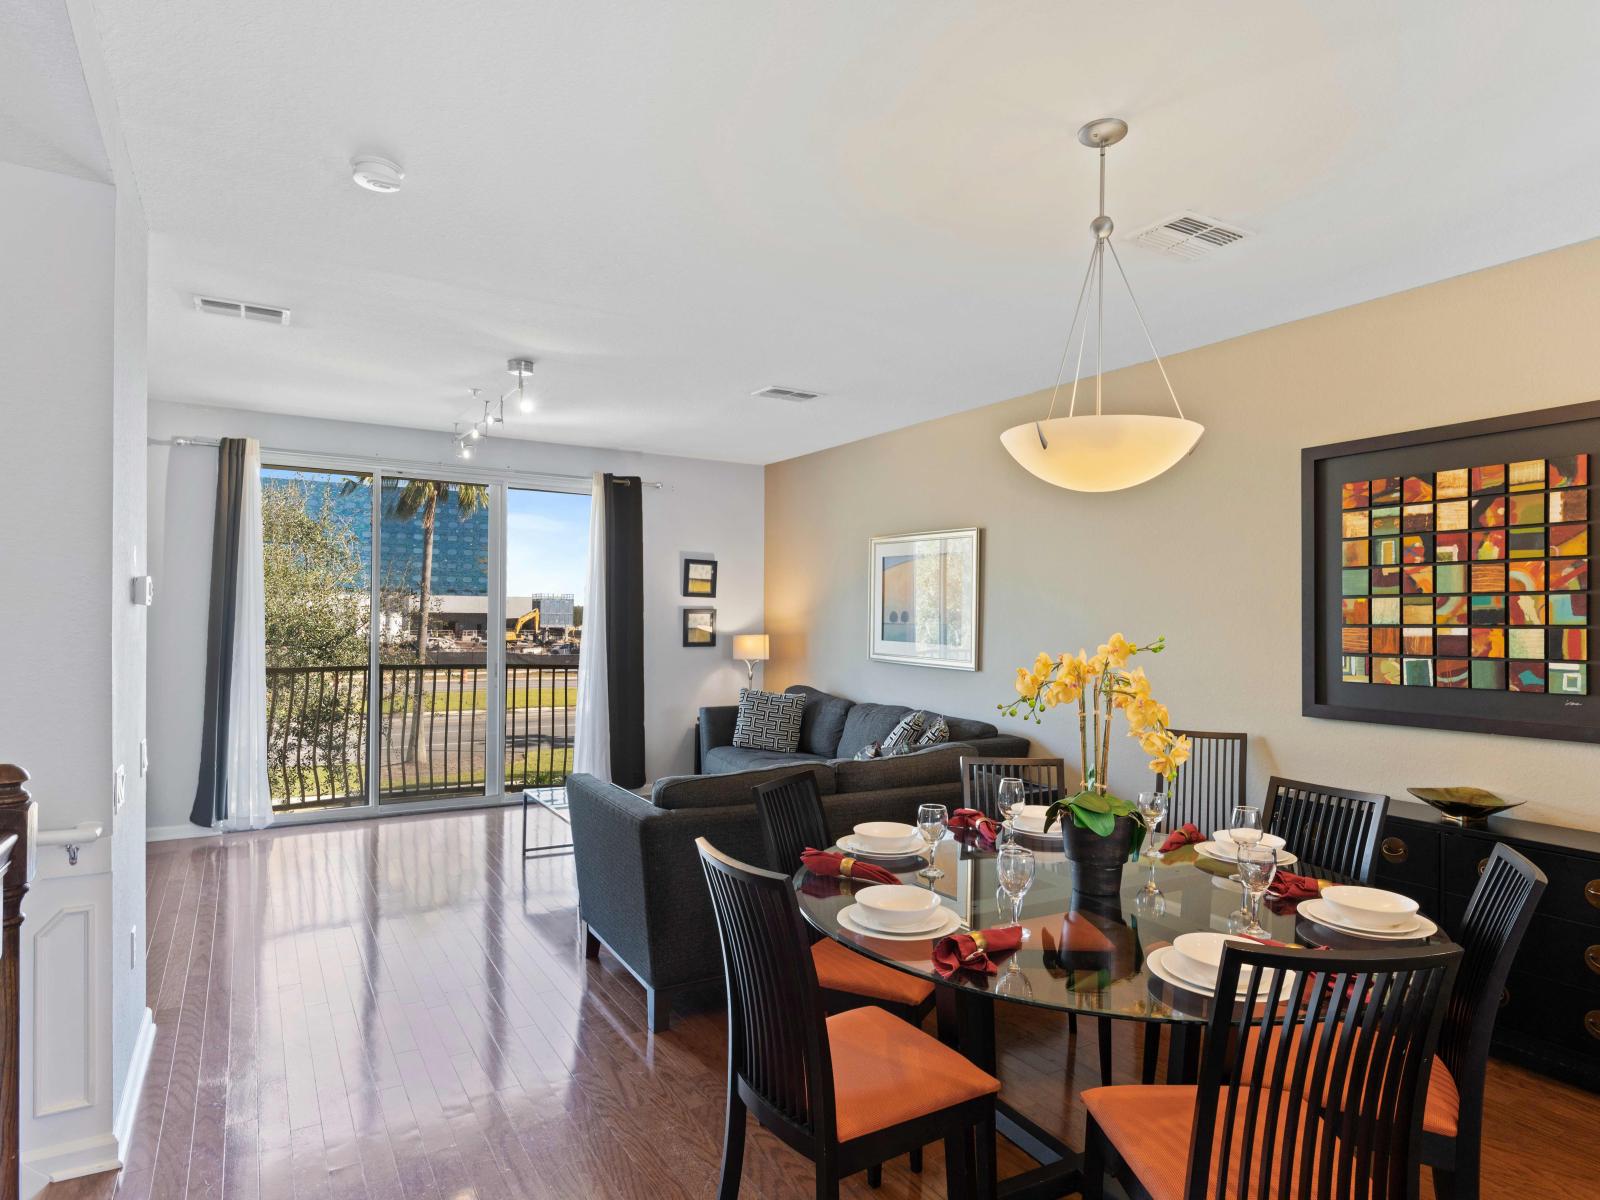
<point>1188,236</point>
<point>795,395</point>
<point>376,174</point>
<point>271,314</point>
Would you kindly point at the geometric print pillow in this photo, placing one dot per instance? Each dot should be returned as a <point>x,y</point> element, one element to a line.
<point>935,732</point>
<point>768,721</point>
<point>903,737</point>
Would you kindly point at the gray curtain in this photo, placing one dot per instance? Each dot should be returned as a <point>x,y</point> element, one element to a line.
<point>624,523</point>
<point>210,793</point>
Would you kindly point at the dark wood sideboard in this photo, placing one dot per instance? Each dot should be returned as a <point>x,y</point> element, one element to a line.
<point>1550,1012</point>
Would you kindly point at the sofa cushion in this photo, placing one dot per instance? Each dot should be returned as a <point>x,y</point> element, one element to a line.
<point>935,731</point>
<point>823,720</point>
<point>725,760</point>
<point>941,764</point>
<point>768,721</point>
<point>867,723</point>
<point>721,791</point>
<point>963,729</point>
<point>903,737</point>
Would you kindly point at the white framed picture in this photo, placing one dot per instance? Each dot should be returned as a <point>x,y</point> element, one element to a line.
<point>924,608</point>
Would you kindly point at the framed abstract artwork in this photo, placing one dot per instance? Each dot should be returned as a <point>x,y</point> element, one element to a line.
<point>699,577</point>
<point>1446,576</point>
<point>924,599</point>
<point>699,627</point>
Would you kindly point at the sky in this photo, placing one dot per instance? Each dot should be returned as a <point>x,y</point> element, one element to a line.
<point>547,543</point>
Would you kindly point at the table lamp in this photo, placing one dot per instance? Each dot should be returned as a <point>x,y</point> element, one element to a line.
<point>753,648</point>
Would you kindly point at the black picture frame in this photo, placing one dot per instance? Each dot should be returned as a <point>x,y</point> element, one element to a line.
<point>689,566</point>
<point>690,616</point>
<point>1569,429</point>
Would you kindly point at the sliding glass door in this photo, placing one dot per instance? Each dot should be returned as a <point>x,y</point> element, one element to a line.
<point>422,637</point>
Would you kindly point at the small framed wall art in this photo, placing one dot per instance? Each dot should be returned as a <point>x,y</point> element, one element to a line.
<point>700,577</point>
<point>699,627</point>
<point>1446,577</point>
<point>924,599</point>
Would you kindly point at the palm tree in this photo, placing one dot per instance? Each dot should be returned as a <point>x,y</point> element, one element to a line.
<point>424,496</point>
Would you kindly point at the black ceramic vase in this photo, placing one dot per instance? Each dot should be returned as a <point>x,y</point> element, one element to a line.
<point>1097,861</point>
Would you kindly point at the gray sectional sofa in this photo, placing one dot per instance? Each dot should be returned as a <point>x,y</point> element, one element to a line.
<point>640,888</point>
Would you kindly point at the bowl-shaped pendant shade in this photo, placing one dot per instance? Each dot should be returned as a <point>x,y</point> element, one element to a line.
<point>1101,454</point>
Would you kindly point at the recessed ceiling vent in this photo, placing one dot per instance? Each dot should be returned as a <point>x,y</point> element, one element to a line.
<point>239,309</point>
<point>1188,236</point>
<point>785,393</point>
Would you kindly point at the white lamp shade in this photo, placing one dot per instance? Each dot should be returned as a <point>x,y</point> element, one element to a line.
<point>1101,454</point>
<point>752,647</point>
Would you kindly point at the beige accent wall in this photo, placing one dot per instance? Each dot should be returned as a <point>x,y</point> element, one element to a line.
<point>1208,554</point>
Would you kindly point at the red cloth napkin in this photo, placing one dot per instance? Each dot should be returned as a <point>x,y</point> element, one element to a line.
<point>1184,835</point>
<point>826,862</point>
<point>972,951</point>
<point>1286,885</point>
<point>970,818</point>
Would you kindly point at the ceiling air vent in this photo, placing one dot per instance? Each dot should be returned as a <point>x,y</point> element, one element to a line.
<point>241,310</point>
<point>785,393</point>
<point>1188,236</point>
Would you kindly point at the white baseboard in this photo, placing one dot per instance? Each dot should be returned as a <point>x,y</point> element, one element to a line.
<point>133,1084</point>
<point>173,833</point>
<point>69,1160</point>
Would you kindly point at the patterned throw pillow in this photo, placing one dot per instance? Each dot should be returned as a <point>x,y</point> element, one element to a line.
<point>903,737</point>
<point>768,721</point>
<point>870,750</point>
<point>935,733</point>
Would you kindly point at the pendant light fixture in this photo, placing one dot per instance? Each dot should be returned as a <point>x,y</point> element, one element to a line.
<point>1101,453</point>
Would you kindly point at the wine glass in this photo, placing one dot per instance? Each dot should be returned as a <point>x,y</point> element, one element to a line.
<point>1257,866</point>
<point>1014,982</point>
<point>1152,807</point>
<point>1014,867</point>
<point>1007,797</point>
<point>932,820</point>
<point>1244,827</point>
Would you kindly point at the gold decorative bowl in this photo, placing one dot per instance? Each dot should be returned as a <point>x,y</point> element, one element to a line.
<point>1464,805</point>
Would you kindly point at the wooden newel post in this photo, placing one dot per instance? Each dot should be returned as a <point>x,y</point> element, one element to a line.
<point>19,827</point>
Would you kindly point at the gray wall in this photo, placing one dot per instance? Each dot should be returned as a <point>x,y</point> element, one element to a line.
<point>708,507</point>
<point>1208,554</point>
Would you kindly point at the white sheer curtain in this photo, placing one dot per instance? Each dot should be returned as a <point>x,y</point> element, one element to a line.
<point>591,753</point>
<point>248,799</point>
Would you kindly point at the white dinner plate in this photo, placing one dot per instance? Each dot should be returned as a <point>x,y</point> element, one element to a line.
<point>1266,839</point>
<point>1320,911</point>
<point>946,923</point>
<point>1035,826</point>
<point>853,848</point>
<point>1225,852</point>
<point>1157,961</point>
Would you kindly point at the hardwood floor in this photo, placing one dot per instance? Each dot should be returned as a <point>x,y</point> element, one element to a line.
<point>395,1009</point>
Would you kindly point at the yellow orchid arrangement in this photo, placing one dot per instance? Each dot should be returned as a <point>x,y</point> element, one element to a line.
<point>1101,685</point>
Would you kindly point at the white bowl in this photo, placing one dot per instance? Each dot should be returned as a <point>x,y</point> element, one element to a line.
<point>1371,908</point>
<point>897,905</point>
<point>884,836</point>
<point>1200,954</point>
<point>1030,816</point>
<point>1270,840</point>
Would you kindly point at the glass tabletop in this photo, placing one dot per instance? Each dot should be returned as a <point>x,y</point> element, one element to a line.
<point>1081,953</point>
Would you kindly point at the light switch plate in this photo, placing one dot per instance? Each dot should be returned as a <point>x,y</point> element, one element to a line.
<point>143,590</point>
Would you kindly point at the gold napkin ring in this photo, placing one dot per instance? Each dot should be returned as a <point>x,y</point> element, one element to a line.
<point>847,865</point>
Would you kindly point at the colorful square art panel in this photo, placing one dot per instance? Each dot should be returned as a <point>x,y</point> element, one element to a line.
<point>1471,577</point>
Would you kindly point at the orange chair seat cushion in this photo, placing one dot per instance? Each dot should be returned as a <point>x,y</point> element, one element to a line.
<point>885,1072</point>
<point>1442,1112</point>
<point>842,970</point>
<point>1151,1126</point>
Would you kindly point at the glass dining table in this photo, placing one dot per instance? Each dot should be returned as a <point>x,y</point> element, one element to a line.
<point>1080,954</point>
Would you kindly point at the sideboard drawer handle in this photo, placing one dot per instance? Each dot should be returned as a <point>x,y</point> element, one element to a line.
<point>1483,865</point>
<point>1591,1022</point>
<point>1591,958</point>
<point>1394,849</point>
<point>1505,997</point>
<point>1591,892</point>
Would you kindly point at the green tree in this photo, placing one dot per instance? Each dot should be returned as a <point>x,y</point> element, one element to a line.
<point>421,498</point>
<point>315,602</point>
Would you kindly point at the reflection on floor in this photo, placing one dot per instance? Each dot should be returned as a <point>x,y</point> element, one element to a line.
<point>394,1008</point>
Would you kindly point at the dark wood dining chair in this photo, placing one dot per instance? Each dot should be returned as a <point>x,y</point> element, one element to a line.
<point>1334,831</point>
<point>1046,779</point>
<point>1311,1087</point>
<point>790,810</point>
<point>1210,785</point>
<point>848,1091</point>
<point>1497,918</point>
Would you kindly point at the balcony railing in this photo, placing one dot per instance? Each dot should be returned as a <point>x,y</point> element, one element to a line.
<point>432,727</point>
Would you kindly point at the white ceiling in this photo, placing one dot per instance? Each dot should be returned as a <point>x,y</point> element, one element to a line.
<point>672,203</point>
<point>46,120</point>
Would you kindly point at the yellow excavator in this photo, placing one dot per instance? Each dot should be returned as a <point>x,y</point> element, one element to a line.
<point>530,617</point>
